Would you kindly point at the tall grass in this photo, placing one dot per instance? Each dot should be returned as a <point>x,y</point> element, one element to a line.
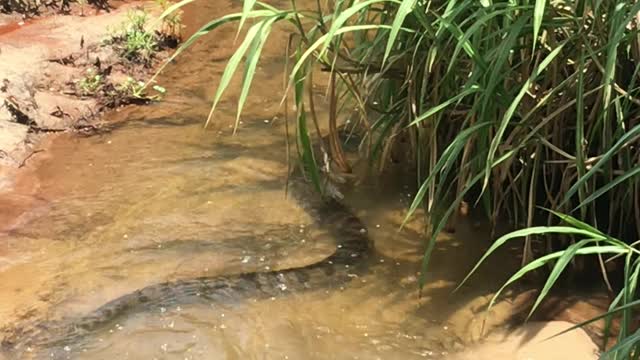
<point>512,106</point>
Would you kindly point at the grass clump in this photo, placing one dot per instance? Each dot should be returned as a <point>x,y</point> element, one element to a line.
<point>90,83</point>
<point>136,40</point>
<point>133,41</point>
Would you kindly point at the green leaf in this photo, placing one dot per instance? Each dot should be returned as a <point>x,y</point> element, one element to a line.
<point>405,9</point>
<point>628,136</point>
<point>436,109</point>
<point>538,14</point>
<point>447,159</point>
<point>342,19</point>
<point>231,67</point>
<point>544,260</point>
<point>495,143</point>
<point>527,232</point>
<point>251,63</point>
<point>566,257</point>
<point>247,6</point>
<point>204,30</point>
<point>170,10</point>
<point>605,189</point>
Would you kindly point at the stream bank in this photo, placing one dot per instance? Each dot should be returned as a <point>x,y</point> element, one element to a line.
<point>60,72</point>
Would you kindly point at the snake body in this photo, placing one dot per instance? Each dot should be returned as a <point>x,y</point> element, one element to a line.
<point>328,214</point>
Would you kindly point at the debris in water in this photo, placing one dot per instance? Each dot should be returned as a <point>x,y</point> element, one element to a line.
<point>362,231</point>
<point>245,259</point>
<point>163,310</point>
<point>164,347</point>
<point>67,348</point>
<point>282,287</point>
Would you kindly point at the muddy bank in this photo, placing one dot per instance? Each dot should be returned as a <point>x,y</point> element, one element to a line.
<point>60,72</point>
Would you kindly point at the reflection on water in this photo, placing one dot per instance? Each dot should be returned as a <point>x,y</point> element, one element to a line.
<point>160,198</point>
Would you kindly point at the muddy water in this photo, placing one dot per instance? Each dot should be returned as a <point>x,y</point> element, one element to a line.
<point>160,198</point>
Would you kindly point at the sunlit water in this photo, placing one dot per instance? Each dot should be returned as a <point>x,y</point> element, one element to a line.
<point>160,198</point>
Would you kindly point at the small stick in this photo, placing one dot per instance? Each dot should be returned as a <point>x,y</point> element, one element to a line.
<point>24,162</point>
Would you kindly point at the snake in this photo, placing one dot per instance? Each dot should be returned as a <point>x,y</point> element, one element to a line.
<point>328,214</point>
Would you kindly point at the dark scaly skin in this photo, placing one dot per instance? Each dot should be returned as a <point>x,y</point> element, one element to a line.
<point>328,214</point>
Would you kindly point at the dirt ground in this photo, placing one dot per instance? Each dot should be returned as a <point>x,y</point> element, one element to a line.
<point>42,61</point>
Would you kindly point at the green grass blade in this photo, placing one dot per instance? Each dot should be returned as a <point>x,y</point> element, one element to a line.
<point>495,143</point>
<point>204,30</point>
<point>449,155</point>
<point>544,260</point>
<point>247,6</point>
<point>339,21</point>
<point>538,15</point>
<point>251,63</point>
<point>605,189</point>
<point>561,264</point>
<point>232,66</point>
<point>538,230</point>
<point>627,137</point>
<point>170,10</point>
<point>436,109</point>
<point>405,9</point>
